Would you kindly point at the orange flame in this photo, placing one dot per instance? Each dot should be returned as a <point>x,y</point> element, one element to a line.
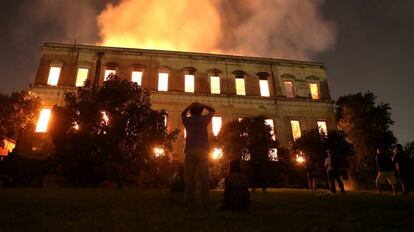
<point>184,25</point>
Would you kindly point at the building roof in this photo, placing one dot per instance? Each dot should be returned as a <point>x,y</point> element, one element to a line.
<point>192,55</point>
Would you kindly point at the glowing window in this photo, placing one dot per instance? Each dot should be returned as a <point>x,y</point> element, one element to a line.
<point>43,120</point>
<point>189,83</point>
<point>240,89</point>
<point>264,88</point>
<point>137,77</point>
<point>314,89</point>
<point>323,129</point>
<point>109,72</point>
<point>216,123</point>
<point>289,89</point>
<point>215,84</point>
<point>163,82</point>
<point>270,123</point>
<point>54,74</point>
<point>296,132</point>
<point>81,77</point>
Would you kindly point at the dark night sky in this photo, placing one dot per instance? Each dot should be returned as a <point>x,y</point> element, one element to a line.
<point>374,47</point>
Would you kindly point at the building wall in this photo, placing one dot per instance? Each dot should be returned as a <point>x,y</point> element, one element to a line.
<point>228,105</point>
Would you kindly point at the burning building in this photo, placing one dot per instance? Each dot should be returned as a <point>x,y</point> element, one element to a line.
<point>293,95</point>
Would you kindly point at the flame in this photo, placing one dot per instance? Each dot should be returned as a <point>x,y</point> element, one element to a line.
<point>158,151</point>
<point>290,29</point>
<point>300,158</point>
<point>184,25</point>
<point>217,153</point>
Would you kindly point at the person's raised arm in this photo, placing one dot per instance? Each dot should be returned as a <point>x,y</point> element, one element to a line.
<point>185,111</point>
<point>210,109</point>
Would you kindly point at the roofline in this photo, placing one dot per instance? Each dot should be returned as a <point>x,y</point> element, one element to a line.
<point>182,53</point>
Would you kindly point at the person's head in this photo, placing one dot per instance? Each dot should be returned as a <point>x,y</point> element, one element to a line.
<point>196,109</point>
<point>398,147</point>
<point>235,167</point>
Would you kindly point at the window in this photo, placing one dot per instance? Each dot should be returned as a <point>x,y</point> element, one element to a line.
<point>109,72</point>
<point>314,90</point>
<point>296,133</point>
<point>54,74</point>
<point>189,83</point>
<point>240,89</point>
<point>270,123</point>
<point>81,77</point>
<point>162,81</point>
<point>216,124</point>
<point>264,88</point>
<point>215,84</point>
<point>289,89</point>
<point>323,129</point>
<point>136,77</point>
<point>43,120</point>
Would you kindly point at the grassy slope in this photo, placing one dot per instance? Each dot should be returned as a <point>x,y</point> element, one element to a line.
<point>157,209</point>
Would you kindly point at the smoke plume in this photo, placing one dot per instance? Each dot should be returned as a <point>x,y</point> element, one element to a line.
<point>290,29</point>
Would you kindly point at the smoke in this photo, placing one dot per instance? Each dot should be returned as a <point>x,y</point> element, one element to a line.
<point>291,29</point>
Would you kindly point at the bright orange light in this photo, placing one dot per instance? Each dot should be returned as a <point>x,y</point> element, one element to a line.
<point>215,84</point>
<point>158,151</point>
<point>75,126</point>
<point>300,158</point>
<point>217,153</point>
<point>81,77</point>
<point>296,132</point>
<point>105,117</point>
<point>240,88</point>
<point>43,120</point>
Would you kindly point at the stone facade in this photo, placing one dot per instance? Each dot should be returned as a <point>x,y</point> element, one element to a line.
<point>228,104</point>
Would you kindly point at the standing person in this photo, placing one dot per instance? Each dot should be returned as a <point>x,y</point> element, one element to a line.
<point>311,172</point>
<point>402,167</point>
<point>333,173</point>
<point>385,170</point>
<point>197,146</point>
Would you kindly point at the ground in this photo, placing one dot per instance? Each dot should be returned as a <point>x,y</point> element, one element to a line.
<point>160,210</point>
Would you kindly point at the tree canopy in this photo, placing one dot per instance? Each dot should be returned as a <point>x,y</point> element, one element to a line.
<point>108,132</point>
<point>18,113</point>
<point>367,126</point>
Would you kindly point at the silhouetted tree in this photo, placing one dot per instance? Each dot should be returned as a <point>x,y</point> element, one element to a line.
<point>367,126</point>
<point>18,113</point>
<point>108,132</point>
<point>250,137</point>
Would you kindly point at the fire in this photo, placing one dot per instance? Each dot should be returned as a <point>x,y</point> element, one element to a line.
<point>277,28</point>
<point>184,25</point>
<point>158,151</point>
<point>217,153</point>
<point>300,158</point>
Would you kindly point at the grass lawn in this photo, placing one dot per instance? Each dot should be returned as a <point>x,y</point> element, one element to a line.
<point>160,210</point>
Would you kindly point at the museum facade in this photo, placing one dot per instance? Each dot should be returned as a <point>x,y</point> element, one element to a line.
<point>292,95</point>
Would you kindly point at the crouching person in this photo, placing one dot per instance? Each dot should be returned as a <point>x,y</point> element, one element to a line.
<point>177,180</point>
<point>236,189</point>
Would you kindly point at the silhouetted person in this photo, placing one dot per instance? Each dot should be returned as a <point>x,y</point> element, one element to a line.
<point>402,167</point>
<point>331,166</point>
<point>385,171</point>
<point>311,172</point>
<point>236,189</point>
<point>197,146</point>
<point>177,180</point>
